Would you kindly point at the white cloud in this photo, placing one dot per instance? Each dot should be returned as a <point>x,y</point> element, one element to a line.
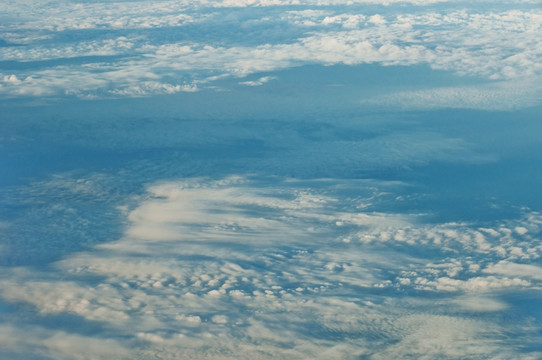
<point>440,336</point>
<point>346,20</point>
<point>479,303</point>
<point>377,19</point>
<point>475,284</point>
<point>120,45</point>
<point>48,15</point>
<point>228,264</point>
<point>39,341</point>
<point>152,88</point>
<point>494,96</point>
<point>11,79</point>
<point>258,82</point>
<point>493,45</point>
<point>514,269</point>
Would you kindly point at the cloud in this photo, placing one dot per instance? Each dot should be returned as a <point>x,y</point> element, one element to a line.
<point>50,16</point>
<point>100,49</point>
<point>507,268</point>
<point>479,304</point>
<point>11,79</point>
<point>441,336</point>
<point>500,241</point>
<point>490,45</point>
<point>207,267</point>
<point>152,88</point>
<point>494,96</point>
<point>258,82</point>
<point>475,284</point>
<point>31,341</point>
<point>346,20</point>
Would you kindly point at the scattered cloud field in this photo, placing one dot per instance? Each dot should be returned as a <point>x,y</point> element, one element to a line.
<point>263,179</point>
<point>94,50</point>
<point>236,267</point>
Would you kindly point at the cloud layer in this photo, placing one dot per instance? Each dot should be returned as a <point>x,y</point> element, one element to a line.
<point>123,236</point>
<point>142,51</point>
<point>238,268</point>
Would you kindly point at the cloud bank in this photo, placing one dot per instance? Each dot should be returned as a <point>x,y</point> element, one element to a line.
<point>239,268</point>
<point>130,60</point>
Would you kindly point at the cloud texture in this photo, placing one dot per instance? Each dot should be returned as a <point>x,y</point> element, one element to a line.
<point>167,48</point>
<point>238,268</point>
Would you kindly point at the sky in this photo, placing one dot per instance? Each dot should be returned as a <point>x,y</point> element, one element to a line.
<point>262,179</point>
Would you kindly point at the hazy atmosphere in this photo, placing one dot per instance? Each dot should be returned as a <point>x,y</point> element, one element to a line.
<point>270,179</point>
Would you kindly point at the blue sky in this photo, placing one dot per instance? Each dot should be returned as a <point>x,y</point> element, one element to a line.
<point>270,179</point>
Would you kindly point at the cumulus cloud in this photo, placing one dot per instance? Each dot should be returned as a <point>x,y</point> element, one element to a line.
<point>11,79</point>
<point>264,268</point>
<point>206,267</point>
<point>51,16</point>
<point>152,88</point>
<point>346,20</point>
<point>492,45</point>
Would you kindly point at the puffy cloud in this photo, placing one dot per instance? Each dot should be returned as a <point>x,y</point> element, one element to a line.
<point>346,20</point>
<point>453,237</point>
<point>206,267</point>
<point>53,16</point>
<point>493,45</point>
<point>152,88</point>
<point>11,79</point>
